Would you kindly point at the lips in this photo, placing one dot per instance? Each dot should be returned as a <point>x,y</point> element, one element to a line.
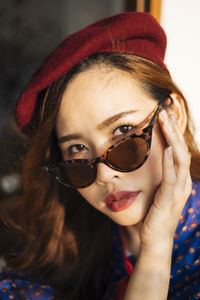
<point>120,200</point>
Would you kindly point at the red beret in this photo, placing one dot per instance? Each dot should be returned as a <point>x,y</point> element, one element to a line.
<point>138,33</point>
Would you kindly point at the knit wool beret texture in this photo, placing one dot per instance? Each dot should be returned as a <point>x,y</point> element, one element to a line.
<point>129,32</point>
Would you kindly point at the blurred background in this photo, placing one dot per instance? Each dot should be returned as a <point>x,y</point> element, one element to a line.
<point>30,29</point>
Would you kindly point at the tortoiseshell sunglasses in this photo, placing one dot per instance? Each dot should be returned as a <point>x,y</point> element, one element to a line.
<point>127,154</point>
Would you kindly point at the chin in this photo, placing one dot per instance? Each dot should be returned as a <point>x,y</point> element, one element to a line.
<point>125,221</point>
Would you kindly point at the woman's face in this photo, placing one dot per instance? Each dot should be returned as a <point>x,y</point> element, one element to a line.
<point>91,98</point>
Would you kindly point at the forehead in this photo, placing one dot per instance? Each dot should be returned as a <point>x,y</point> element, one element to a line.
<point>97,94</point>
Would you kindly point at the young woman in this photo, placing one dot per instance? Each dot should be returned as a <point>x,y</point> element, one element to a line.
<point>111,194</point>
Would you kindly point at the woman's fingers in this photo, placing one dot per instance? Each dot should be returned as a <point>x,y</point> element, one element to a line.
<point>170,198</point>
<point>181,156</point>
<point>177,128</point>
<point>176,184</point>
<point>169,174</point>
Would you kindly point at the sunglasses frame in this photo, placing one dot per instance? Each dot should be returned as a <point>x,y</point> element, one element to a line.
<point>143,130</point>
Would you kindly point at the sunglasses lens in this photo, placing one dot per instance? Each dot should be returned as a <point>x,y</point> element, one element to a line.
<point>76,175</point>
<point>129,154</point>
<point>126,156</point>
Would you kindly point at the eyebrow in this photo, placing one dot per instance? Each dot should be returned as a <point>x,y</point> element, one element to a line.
<point>101,126</point>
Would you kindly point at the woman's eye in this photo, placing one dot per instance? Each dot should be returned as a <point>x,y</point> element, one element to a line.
<point>75,149</point>
<point>123,129</point>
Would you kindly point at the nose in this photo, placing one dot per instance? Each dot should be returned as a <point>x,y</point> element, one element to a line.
<point>105,174</point>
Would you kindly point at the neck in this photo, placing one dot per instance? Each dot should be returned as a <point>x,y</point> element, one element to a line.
<point>132,238</point>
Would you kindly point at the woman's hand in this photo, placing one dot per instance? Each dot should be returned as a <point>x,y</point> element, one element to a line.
<point>160,224</point>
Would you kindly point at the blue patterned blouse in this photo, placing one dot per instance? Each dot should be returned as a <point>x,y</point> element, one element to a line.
<point>185,271</point>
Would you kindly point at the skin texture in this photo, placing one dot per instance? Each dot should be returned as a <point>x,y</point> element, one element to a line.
<point>96,95</point>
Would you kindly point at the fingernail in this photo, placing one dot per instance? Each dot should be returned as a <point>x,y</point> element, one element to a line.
<point>172,117</point>
<point>169,152</point>
<point>164,115</point>
<point>165,118</point>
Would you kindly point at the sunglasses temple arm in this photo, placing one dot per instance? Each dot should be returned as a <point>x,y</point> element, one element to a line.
<point>150,119</point>
<point>159,108</point>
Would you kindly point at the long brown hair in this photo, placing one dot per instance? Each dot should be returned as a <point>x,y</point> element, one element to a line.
<point>62,234</point>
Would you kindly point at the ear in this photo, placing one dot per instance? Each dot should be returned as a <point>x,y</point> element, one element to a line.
<point>179,111</point>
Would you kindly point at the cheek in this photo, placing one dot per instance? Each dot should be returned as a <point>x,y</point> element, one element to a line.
<point>88,194</point>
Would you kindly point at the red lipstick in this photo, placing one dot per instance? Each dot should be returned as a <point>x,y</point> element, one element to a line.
<point>120,200</point>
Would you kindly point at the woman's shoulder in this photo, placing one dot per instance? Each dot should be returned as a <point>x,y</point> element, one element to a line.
<point>190,217</point>
<point>196,185</point>
<point>194,199</point>
<point>17,286</point>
